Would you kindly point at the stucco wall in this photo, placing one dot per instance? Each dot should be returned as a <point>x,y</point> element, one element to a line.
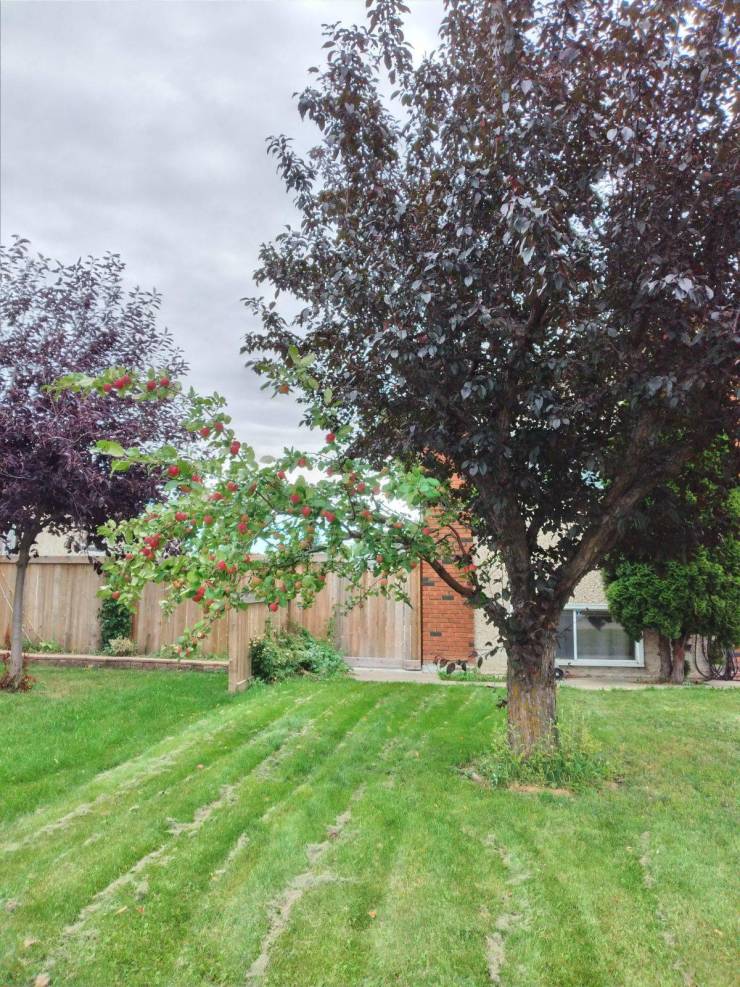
<point>589,591</point>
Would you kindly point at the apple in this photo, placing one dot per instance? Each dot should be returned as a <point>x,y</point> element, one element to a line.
<point>181,516</point>
<point>273,607</point>
<point>284,389</point>
<point>242,528</point>
<point>164,382</point>
<point>221,565</point>
<point>196,478</point>
<point>361,488</point>
<point>107,388</point>
<point>330,437</point>
<point>426,531</point>
<point>207,519</point>
<point>379,559</point>
<point>329,515</point>
<point>281,474</point>
<point>235,447</point>
<point>216,496</point>
<point>367,515</point>
<point>303,461</point>
<point>128,555</point>
<point>115,595</point>
<point>233,487</point>
<point>205,431</point>
<point>306,511</point>
<point>219,426</point>
<point>151,385</point>
<point>173,471</point>
<point>295,498</point>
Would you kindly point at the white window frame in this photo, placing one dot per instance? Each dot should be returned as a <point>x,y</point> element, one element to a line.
<point>637,662</point>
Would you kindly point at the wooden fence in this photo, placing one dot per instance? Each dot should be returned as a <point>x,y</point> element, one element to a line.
<point>62,606</point>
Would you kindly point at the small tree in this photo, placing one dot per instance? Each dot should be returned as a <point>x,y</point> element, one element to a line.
<point>520,268</point>
<point>680,600</point>
<point>675,567</point>
<point>57,319</point>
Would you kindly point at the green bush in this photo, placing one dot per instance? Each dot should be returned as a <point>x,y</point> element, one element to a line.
<point>576,763</point>
<point>281,654</point>
<point>115,622</point>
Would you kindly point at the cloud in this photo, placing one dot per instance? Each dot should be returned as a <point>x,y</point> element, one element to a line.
<point>139,127</point>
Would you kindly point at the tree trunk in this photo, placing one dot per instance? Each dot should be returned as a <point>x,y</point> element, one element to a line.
<point>531,696</point>
<point>678,647</point>
<point>666,663</point>
<point>16,632</point>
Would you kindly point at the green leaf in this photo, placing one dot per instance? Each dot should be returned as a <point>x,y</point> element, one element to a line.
<point>110,448</point>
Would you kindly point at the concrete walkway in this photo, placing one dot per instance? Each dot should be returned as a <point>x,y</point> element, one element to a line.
<point>430,677</point>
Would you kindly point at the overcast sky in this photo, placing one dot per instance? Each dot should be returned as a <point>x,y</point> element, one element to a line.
<point>139,128</point>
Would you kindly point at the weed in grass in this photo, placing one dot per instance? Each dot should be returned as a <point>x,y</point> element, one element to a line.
<point>576,764</point>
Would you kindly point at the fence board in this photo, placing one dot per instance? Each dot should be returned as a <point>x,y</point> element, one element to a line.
<point>62,605</point>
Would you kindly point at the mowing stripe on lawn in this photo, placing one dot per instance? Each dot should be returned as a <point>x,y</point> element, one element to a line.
<point>176,880</point>
<point>341,949</point>
<point>239,911</point>
<point>79,877</point>
<point>217,726</point>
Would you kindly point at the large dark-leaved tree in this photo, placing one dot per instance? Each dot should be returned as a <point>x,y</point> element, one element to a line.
<point>516,262</point>
<point>78,318</point>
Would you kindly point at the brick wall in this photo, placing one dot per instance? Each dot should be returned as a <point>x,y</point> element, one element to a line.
<point>447,622</point>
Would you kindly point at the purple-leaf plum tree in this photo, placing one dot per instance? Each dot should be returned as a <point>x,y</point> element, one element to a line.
<point>77,318</point>
<point>516,263</point>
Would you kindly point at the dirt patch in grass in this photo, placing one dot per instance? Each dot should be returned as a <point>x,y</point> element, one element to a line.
<point>538,789</point>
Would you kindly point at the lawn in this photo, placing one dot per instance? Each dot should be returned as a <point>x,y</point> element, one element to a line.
<point>155,831</point>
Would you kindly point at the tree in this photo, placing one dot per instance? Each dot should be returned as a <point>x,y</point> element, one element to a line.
<point>57,318</point>
<point>519,268</point>
<point>675,567</point>
<point>681,599</point>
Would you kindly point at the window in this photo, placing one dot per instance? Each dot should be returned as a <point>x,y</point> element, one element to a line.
<point>587,635</point>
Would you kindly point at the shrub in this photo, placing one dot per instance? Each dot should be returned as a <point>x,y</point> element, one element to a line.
<point>281,654</point>
<point>121,647</point>
<point>115,622</point>
<point>576,763</point>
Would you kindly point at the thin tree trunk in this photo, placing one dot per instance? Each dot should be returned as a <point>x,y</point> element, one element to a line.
<point>16,632</point>
<point>678,647</point>
<point>666,663</point>
<point>531,696</point>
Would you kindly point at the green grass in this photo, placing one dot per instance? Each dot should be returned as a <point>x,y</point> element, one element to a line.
<point>154,831</point>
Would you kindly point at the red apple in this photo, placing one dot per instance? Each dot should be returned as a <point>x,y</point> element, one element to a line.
<point>115,595</point>
<point>221,565</point>
<point>181,516</point>
<point>173,471</point>
<point>281,474</point>
<point>207,519</point>
<point>196,478</point>
<point>426,531</point>
<point>303,461</point>
<point>107,388</point>
<point>219,426</point>
<point>235,447</point>
<point>164,382</point>
<point>242,528</point>
<point>205,431</point>
<point>295,498</point>
<point>233,487</point>
<point>151,385</point>
<point>330,437</point>
<point>284,389</point>
<point>306,511</point>
<point>273,607</point>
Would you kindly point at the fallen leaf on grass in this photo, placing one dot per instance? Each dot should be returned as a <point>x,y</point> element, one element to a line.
<point>43,980</point>
<point>121,910</point>
<point>27,943</point>
<point>10,906</point>
<point>372,914</point>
